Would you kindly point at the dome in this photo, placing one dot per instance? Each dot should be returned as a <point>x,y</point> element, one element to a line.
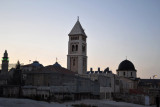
<point>57,64</point>
<point>126,65</point>
<point>36,63</point>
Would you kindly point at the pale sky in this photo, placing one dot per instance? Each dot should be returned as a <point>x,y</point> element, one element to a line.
<point>38,30</point>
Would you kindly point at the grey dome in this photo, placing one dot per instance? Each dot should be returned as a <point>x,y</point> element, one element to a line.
<point>37,64</point>
<point>57,64</point>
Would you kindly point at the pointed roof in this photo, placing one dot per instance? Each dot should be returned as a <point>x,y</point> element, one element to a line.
<point>5,53</point>
<point>77,29</point>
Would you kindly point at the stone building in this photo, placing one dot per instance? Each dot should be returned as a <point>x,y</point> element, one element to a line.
<point>128,76</point>
<point>109,82</point>
<point>150,87</point>
<point>127,84</point>
<point>56,81</point>
<point>77,50</point>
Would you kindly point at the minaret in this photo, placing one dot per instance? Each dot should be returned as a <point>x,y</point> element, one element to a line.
<point>77,50</point>
<point>5,61</point>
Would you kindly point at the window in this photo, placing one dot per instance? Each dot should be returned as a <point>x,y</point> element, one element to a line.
<point>124,73</point>
<point>84,39</point>
<point>83,48</point>
<point>131,73</point>
<point>75,38</point>
<point>72,48</point>
<point>73,62</point>
<point>76,47</point>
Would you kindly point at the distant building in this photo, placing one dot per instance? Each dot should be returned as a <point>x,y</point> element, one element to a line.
<point>109,82</point>
<point>56,81</point>
<point>30,67</point>
<point>149,86</point>
<point>4,76</point>
<point>5,61</point>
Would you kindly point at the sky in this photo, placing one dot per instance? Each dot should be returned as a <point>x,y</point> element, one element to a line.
<point>38,30</point>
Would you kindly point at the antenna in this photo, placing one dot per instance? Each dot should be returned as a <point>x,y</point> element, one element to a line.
<point>126,57</point>
<point>77,18</point>
<point>56,59</point>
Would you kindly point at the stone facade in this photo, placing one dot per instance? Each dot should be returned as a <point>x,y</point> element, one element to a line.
<point>109,82</point>
<point>127,73</point>
<point>56,81</point>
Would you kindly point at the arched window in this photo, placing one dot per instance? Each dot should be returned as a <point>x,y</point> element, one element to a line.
<point>72,48</point>
<point>83,48</point>
<point>76,47</point>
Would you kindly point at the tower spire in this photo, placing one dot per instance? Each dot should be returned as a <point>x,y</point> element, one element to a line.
<point>56,59</point>
<point>77,18</point>
<point>77,29</point>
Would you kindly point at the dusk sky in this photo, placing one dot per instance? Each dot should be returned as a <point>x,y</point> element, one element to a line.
<point>38,30</point>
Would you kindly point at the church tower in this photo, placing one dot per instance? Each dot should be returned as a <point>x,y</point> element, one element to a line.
<point>5,61</point>
<point>77,50</point>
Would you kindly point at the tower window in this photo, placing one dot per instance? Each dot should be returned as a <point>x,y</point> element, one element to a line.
<point>72,48</point>
<point>76,47</point>
<point>75,38</point>
<point>84,39</point>
<point>83,48</point>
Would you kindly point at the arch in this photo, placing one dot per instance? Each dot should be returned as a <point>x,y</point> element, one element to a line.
<point>83,48</point>
<point>76,47</point>
<point>73,48</point>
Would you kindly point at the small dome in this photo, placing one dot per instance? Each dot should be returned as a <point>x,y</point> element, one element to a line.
<point>57,64</point>
<point>126,65</point>
<point>36,63</point>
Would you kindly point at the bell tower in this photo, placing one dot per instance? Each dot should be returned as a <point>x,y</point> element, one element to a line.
<point>5,61</point>
<point>77,50</point>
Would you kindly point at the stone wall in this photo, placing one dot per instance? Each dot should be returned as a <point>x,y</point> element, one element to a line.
<point>136,99</point>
